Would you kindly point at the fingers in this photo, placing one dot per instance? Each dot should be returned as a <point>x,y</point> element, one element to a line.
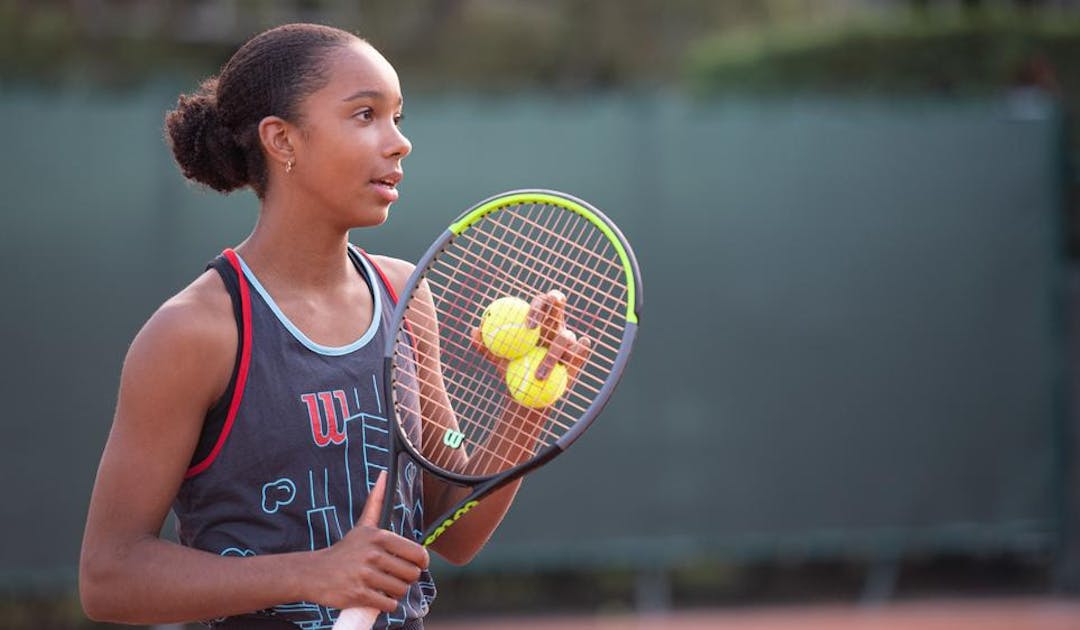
<point>391,566</point>
<point>373,505</point>
<point>576,357</point>
<point>398,570</point>
<point>359,607</point>
<point>547,310</point>
<point>568,350</point>
<point>562,342</point>
<point>374,568</point>
<point>403,549</point>
<point>370,566</point>
<point>481,347</point>
<point>394,556</point>
<point>381,590</point>
<point>391,576</point>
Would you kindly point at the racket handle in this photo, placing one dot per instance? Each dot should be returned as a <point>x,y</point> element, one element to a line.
<point>356,619</point>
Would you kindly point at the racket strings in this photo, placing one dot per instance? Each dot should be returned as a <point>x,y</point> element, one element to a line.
<point>474,406</point>
<point>470,404</point>
<point>570,285</point>
<point>558,234</point>
<point>564,253</point>
<point>604,342</point>
<point>428,447</point>
<point>520,251</point>
<point>604,301</point>
<point>458,346</point>
<point>603,339</point>
<point>505,451</point>
<point>481,454</point>
<point>608,305</point>
<point>601,263</point>
<point>541,256</point>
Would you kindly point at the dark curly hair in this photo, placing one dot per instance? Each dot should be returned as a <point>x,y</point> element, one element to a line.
<point>214,132</point>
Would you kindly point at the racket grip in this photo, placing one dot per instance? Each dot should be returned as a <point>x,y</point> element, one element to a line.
<point>356,619</point>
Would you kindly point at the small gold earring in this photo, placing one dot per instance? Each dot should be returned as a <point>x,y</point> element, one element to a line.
<point>288,166</point>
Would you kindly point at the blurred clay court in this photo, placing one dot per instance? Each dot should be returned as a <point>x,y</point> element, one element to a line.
<point>942,615</point>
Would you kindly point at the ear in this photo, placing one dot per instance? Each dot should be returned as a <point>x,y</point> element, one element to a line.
<point>275,134</point>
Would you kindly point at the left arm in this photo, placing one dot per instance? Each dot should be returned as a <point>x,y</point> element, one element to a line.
<point>460,543</point>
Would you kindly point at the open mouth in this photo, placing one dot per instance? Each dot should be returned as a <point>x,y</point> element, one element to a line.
<point>386,186</point>
<point>389,180</point>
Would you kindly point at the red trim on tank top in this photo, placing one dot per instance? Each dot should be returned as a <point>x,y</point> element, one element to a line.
<point>242,370</point>
<point>392,292</point>
<point>378,270</point>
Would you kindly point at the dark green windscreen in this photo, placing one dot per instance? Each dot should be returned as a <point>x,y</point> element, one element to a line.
<point>849,339</point>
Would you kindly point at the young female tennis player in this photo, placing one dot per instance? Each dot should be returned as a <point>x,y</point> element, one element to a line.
<point>250,402</point>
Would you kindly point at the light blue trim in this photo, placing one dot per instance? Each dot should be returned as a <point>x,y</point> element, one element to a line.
<point>334,351</point>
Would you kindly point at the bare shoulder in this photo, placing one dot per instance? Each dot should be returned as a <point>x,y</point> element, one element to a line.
<point>201,313</point>
<point>194,333</point>
<point>176,368</point>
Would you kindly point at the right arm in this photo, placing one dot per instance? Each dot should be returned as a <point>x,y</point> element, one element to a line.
<point>177,367</point>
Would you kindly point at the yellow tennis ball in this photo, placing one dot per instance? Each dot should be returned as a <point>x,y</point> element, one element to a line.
<point>529,390</point>
<point>505,330</point>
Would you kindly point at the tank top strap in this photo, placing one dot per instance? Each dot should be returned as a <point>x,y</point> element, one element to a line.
<point>359,255</point>
<point>221,415</point>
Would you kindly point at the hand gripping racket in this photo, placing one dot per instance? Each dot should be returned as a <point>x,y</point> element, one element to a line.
<point>474,421</point>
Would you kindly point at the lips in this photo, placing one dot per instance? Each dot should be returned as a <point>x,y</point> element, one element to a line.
<point>390,180</point>
<point>386,185</point>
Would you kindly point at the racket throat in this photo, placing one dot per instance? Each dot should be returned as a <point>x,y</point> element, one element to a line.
<point>448,521</point>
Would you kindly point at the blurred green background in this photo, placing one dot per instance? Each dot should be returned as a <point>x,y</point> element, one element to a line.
<point>857,227</point>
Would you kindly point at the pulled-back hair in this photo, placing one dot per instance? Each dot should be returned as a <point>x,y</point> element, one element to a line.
<point>214,132</point>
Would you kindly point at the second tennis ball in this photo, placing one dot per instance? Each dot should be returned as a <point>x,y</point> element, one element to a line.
<point>505,330</point>
<point>526,388</point>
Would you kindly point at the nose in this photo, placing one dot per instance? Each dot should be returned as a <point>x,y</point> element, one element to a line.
<point>398,145</point>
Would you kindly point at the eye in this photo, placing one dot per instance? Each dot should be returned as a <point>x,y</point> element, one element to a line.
<point>398,117</point>
<point>367,114</point>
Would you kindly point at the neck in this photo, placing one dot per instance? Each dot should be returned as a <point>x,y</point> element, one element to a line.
<point>287,246</point>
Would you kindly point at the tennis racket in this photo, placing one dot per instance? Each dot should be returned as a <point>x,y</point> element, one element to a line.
<point>480,421</point>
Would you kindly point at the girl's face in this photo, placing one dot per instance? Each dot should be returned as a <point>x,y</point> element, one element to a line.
<point>349,151</point>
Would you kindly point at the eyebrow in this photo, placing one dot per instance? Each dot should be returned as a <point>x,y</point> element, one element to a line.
<point>367,94</point>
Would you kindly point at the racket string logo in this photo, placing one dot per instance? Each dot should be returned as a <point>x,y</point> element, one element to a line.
<point>453,438</point>
<point>446,524</point>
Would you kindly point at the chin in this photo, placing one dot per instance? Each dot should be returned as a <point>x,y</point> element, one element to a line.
<point>371,217</point>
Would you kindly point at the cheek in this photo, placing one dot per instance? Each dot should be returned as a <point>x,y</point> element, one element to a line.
<point>354,154</point>
<point>341,144</point>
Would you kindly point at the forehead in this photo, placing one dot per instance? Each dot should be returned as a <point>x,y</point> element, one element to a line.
<point>359,68</point>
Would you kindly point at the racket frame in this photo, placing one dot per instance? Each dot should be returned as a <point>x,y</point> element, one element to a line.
<point>485,485</point>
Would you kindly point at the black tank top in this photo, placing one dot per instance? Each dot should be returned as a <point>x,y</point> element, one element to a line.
<point>287,457</point>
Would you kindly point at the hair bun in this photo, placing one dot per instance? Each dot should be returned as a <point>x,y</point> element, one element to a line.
<point>205,149</point>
